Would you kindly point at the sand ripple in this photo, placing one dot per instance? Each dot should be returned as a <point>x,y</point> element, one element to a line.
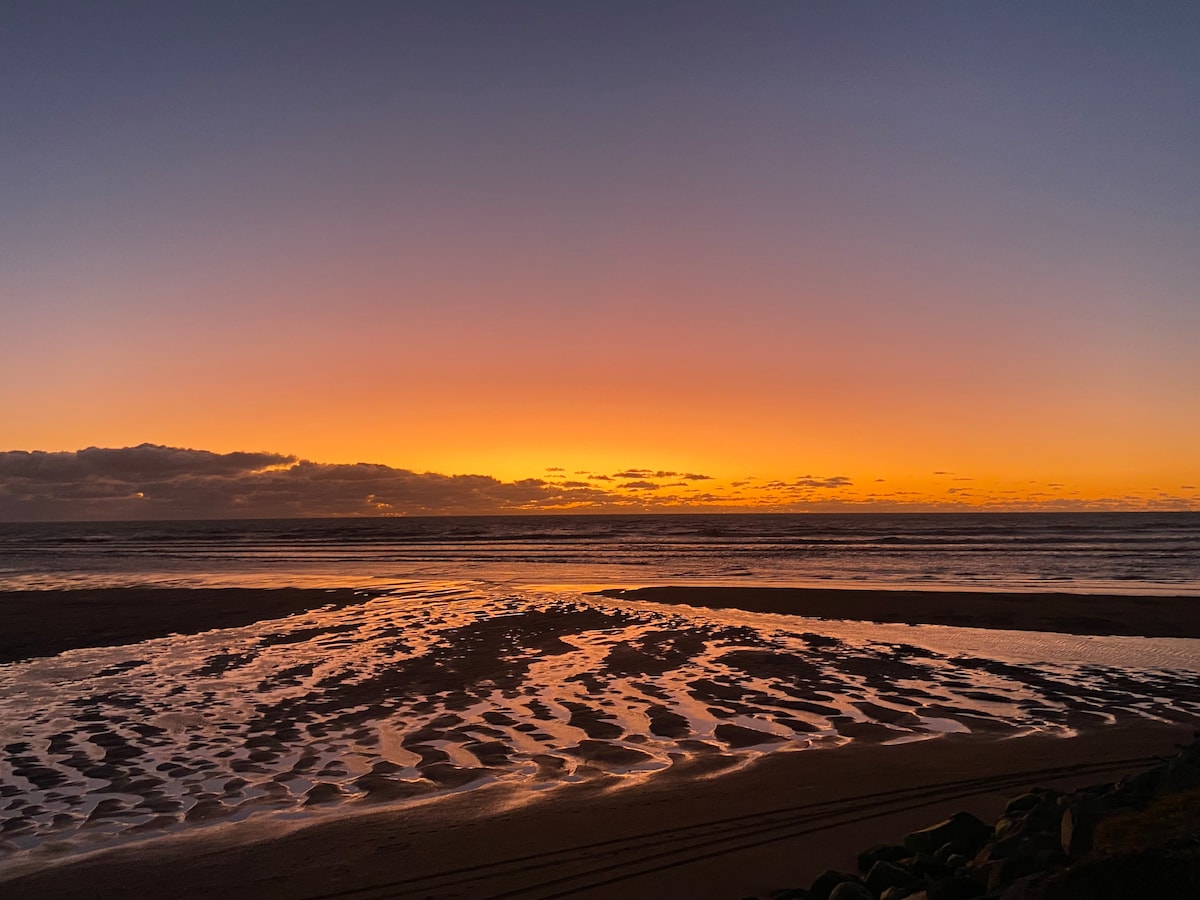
<point>424,692</point>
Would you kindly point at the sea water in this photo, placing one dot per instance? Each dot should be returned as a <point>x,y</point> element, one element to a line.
<point>1128,553</point>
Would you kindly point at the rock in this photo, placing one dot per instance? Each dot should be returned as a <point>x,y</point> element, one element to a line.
<point>1008,826</point>
<point>1021,805</point>
<point>1079,823</point>
<point>884,875</point>
<point>851,890</point>
<point>1028,888</point>
<point>955,888</point>
<point>925,864</point>
<point>1140,787</point>
<point>997,871</point>
<point>824,883</point>
<point>1156,874</point>
<point>886,852</point>
<point>1046,815</point>
<point>1180,774</point>
<point>963,830</point>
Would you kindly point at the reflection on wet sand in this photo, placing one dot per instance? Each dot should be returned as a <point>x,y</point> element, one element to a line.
<point>419,693</point>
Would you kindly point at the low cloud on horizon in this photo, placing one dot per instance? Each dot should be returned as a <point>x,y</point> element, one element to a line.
<point>150,481</point>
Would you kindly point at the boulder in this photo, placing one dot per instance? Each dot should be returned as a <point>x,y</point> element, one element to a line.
<point>884,875</point>
<point>1019,806</point>
<point>851,890</point>
<point>925,864</point>
<point>824,883</point>
<point>997,872</point>
<point>1155,873</point>
<point>1079,823</point>
<point>1140,788</point>
<point>885,852</point>
<point>962,830</point>
<point>1009,826</point>
<point>1030,887</point>
<point>955,888</point>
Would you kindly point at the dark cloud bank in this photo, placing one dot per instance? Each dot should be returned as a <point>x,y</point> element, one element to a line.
<point>154,482</point>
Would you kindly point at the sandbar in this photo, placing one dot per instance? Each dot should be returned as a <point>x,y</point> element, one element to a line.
<point>43,623</point>
<point>1083,614</point>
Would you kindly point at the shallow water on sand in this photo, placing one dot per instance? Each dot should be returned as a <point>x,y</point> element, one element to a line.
<point>435,688</point>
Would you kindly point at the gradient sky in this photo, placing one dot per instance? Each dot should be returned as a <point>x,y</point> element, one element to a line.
<point>919,254</point>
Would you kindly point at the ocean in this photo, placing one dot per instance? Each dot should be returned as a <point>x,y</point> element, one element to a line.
<point>1127,553</point>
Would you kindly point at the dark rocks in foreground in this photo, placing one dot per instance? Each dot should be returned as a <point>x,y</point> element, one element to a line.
<point>1137,838</point>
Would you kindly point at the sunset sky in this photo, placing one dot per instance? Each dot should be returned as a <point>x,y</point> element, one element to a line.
<point>629,255</point>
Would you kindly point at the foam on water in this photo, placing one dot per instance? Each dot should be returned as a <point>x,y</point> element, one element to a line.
<point>1127,553</point>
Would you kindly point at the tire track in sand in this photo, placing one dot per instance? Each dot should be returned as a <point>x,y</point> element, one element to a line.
<point>570,870</point>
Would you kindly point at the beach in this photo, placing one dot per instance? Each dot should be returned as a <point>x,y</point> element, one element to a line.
<point>779,823</point>
<point>404,737</point>
<point>628,451</point>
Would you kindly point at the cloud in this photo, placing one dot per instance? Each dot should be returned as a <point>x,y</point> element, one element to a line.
<point>157,482</point>
<point>633,473</point>
<point>150,481</point>
<point>141,462</point>
<point>644,474</point>
<point>808,482</point>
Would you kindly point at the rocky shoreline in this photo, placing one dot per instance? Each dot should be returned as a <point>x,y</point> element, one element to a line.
<point>1139,837</point>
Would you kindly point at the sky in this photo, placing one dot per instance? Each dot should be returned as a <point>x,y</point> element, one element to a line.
<point>824,255</point>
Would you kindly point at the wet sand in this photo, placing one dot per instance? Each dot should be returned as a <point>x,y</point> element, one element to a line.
<point>449,742</point>
<point>1096,614</point>
<point>43,623</point>
<point>777,823</point>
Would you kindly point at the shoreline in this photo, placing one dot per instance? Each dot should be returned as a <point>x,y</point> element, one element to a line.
<point>674,835</point>
<point>41,623</point>
<point>1078,614</point>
